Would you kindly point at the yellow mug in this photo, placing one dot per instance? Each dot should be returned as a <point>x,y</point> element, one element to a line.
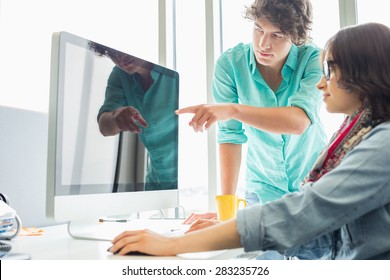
<point>227,205</point>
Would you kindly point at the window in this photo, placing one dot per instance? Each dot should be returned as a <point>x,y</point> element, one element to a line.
<point>366,13</point>
<point>326,23</point>
<point>26,41</point>
<point>191,65</point>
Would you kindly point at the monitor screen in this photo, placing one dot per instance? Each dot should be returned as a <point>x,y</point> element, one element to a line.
<point>113,132</point>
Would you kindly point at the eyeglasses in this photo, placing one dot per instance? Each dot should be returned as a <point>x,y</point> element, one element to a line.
<point>326,68</point>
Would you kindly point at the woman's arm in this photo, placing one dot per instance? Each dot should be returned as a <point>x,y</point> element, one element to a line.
<point>221,236</point>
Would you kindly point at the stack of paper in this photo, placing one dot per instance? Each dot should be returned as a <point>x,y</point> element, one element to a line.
<point>9,223</point>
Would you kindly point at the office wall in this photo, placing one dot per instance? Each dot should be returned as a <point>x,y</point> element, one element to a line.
<point>23,153</point>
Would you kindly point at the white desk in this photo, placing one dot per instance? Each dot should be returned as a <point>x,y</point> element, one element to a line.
<point>56,244</point>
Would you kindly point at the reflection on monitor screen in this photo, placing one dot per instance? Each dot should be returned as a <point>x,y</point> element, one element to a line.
<point>113,132</point>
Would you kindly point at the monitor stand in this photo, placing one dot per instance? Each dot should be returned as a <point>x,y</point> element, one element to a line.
<point>89,230</point>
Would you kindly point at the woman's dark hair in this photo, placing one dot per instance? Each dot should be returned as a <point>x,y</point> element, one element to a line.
<point>362,55</point>
<point>292,17</point>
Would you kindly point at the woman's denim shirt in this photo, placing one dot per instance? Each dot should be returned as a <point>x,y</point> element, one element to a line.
<point>353,201</point>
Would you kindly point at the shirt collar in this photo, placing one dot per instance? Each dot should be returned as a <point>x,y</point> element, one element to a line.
<point>292,57</point>
<point>252,60</point>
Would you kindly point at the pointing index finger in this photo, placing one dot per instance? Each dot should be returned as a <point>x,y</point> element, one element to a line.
<point>190,109</point>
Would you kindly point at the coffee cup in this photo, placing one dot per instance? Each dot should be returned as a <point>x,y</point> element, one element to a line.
<point>227,206</point>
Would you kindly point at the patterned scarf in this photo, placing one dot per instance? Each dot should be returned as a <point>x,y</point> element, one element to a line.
<point>351,132</point>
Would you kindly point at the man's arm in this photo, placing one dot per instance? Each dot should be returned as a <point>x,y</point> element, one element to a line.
<point>107,125</point>
<point>279,120</point>
<point>123,119</point>
<point>230,161</point>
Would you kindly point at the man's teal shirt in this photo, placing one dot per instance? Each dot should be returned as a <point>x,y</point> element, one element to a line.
<point>276,164</point>
<point>157,106</point>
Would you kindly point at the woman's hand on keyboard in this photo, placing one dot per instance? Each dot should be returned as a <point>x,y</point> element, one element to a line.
<point>142,242</point>
<point>199,216</point>
<point>202,223</point>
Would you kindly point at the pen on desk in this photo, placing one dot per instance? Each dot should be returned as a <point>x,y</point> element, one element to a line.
<point>101,220</point>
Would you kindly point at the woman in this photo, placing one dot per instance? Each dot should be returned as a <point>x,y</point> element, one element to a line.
<point>345,200</point>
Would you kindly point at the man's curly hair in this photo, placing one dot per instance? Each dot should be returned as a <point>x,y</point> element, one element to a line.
<point>99,49</point>
<point>292,17</point>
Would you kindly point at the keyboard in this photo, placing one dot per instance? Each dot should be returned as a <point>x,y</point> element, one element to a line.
<point>109,230</point>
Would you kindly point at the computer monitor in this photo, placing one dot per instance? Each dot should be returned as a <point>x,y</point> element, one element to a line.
<point>90,175</point>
